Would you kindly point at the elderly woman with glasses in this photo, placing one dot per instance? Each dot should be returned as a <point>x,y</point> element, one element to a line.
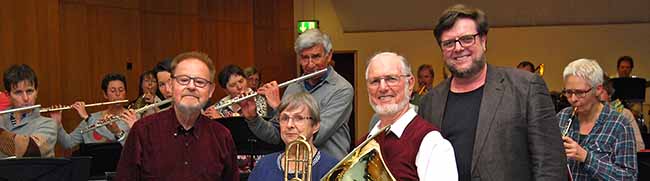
<point>598,141</point>
<point>299,116</point>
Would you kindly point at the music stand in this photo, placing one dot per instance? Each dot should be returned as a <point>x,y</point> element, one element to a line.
<point>629,89</point>
<point>249,147</point>
<point>245,141</point>
<point>104,157</point>
<point>45,169</point>
<point>643,162</point>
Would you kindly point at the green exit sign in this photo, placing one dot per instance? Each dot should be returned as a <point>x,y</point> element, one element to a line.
<point>304,25</point>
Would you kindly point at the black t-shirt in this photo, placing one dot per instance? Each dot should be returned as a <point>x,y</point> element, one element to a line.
<point>459,127</point>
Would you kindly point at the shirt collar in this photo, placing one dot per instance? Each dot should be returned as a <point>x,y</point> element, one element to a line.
<point>398,126</point>
<point>323,79</point>
<point>179,130</point>
<point>25,117</point>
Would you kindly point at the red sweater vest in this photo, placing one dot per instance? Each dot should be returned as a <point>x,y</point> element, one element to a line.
<point>400,153</point>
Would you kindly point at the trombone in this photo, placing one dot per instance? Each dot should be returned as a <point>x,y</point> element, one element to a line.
<point>116,118</point>
<point>302,160</point>
<point>284,84</point>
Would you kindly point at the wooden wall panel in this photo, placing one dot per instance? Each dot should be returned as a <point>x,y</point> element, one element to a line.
<point>29,35</point>
<point>274,37</point>
<point>72,44</point>
<point>160,33</point>
<point>114,42</point>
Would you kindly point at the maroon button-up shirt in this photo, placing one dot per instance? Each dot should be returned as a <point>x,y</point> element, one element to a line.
<point>159,148</point>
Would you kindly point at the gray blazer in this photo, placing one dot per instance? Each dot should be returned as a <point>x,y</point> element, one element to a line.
<point>517,137</point>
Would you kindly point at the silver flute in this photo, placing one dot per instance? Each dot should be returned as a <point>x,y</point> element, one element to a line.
<point>564,133</point>
<point>50,109</point>
<point>283,84</point>
<point>115,118</point>
<point>20,109</point>
<point>566,130</point>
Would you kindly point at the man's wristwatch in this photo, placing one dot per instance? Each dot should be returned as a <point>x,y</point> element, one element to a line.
<point>120,135</point>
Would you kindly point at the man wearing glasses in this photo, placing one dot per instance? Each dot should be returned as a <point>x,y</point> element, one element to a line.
<point>413,148</point>
<point>333,93</point>
<point>499,120</point>
<point>599,141</point>
<point>181,143</point>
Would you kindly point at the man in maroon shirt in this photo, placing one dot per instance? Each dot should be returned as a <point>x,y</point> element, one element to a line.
<point>181,143</point>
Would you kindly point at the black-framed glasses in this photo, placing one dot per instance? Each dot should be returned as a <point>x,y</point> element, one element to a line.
<point>185,80</point>
<point>576,92</point>
<point>465,41</point>
<point>391,80</point>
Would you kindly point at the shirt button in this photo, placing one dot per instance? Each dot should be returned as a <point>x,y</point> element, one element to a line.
<point>187,144</point>
<point>186,163</point>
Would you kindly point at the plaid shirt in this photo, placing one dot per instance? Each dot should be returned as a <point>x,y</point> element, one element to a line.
<point>610,145</point>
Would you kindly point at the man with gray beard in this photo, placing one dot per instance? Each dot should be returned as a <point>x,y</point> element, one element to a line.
<point>181,143</point>
<point>412,148</point>
<point>500,120</point>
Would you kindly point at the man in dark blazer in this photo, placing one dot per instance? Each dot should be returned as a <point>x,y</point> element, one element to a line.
<point>500,121</point>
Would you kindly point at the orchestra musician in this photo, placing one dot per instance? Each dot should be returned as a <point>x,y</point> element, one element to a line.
<point>181,143</point>
<point>147,93</point>
<point>114,88</point>
<point>599,143</point>
<point>234,83</point>
<point>333,93</point>
<point>25,133</point>
<point>425,83</point>
<point>413,148</point>
<point>299,116</point>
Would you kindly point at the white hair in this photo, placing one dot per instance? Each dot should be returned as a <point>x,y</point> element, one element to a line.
<point>406,67</point>
<point>311,38</point>
<point>586,69</point>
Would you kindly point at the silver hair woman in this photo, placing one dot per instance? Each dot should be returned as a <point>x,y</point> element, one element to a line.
<point>299,116</point>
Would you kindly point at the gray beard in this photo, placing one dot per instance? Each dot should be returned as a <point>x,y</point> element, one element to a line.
<point>475,68</point>
<point>391,109</point>
<point>186,112</point>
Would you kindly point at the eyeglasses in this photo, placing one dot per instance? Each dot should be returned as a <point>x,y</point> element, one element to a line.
<point>391,80</point>
<point>465,41</point>
<point>576,92</point>
<point>298,120</point>
<point>185,80</point>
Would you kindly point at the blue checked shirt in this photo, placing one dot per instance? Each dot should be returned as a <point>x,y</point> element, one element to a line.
<point>610,146</point>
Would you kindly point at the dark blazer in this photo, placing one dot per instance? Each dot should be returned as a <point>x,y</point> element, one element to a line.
<point>517,134</point>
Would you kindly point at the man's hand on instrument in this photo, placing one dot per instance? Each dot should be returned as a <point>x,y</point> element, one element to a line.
<point>249,109</point>
<point>212,113</point>
<point>272,93</point>
<point>129,117</point>
<point>80,106</point>
<point>574,150</point>
<point>56,115</point>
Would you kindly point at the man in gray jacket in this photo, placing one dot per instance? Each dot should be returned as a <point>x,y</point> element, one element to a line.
<point>333,93</point>
<point>499,120</point>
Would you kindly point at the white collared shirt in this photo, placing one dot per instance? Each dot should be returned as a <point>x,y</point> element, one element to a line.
<point>435,159</point>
